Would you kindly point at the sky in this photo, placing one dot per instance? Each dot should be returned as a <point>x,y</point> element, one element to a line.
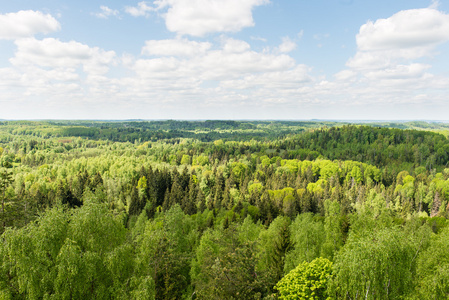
<point>224,59</point>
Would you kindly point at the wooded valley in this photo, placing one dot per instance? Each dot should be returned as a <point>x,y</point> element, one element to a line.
<point>223,210</point>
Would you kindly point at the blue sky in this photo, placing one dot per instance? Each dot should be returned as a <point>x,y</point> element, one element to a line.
<point>224,59</point>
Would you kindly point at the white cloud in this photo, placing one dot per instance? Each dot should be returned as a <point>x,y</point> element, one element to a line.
<point>345,75</point>
<point>287,45</point>
<point>214,65</point>
<point>234,46</point>
<point>200,17</point>
<point>177,47</point>
<point>51,52</point>
<point>399,72</point>
<point>415,28</point>
<point>280,80</point>
<point>321,36</point>
<point>33,81</point>
<point>38,81</point>
<point>161,68</point>
<point>387,69</point>
<point>142,9</point>
<point>59,71</point>
<point>9,78</point>
<point>233,60</point>
<point>435,4</point>
<point>60,74</point>
<point>220,65</point>
<point>26,23</point>
<point>106,12</point>
<point>258,38</point>
<point>181,79</point>
<point>388,44</point>
<point>368,61</point>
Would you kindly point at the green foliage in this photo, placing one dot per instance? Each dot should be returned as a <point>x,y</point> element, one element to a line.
<point>309,280</point>
<point>355,174</point>
<point>333,229</point>
<point>178,210</point>
<point>7,210</point>
<point>65,256</point>
<point>226,264</point>
<point>274,245</point>
<point>307,235</point>
<point>378,146</point>
<point>433,269</point>
<point>375,203</point>
<point>164,252</point>
<point>378,265</point>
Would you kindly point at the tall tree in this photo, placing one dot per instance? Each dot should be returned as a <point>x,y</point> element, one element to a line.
<point>7,207</point>
<point>379,264</point>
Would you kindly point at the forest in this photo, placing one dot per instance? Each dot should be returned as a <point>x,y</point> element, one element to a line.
<point>224,210</point>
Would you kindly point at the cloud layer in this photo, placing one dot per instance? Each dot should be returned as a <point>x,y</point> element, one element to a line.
<point>222,77</point>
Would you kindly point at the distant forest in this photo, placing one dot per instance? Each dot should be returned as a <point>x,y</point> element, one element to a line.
<point>224,210</point>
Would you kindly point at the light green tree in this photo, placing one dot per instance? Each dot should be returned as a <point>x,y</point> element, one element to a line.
<point>308,280</point>
<point>307,236</point>
<point>378,264</point>
<point>433,268</point>
<point>77,254</point>
<point>332,229</point>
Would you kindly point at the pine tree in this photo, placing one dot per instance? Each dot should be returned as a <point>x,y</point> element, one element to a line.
<point>218,195</point>
<point>135,205</point>
<point>200,201</point>
<point>282,245</point>
<point>177,194</point>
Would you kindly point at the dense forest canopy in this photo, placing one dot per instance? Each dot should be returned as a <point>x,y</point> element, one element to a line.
<point>223,210</point>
